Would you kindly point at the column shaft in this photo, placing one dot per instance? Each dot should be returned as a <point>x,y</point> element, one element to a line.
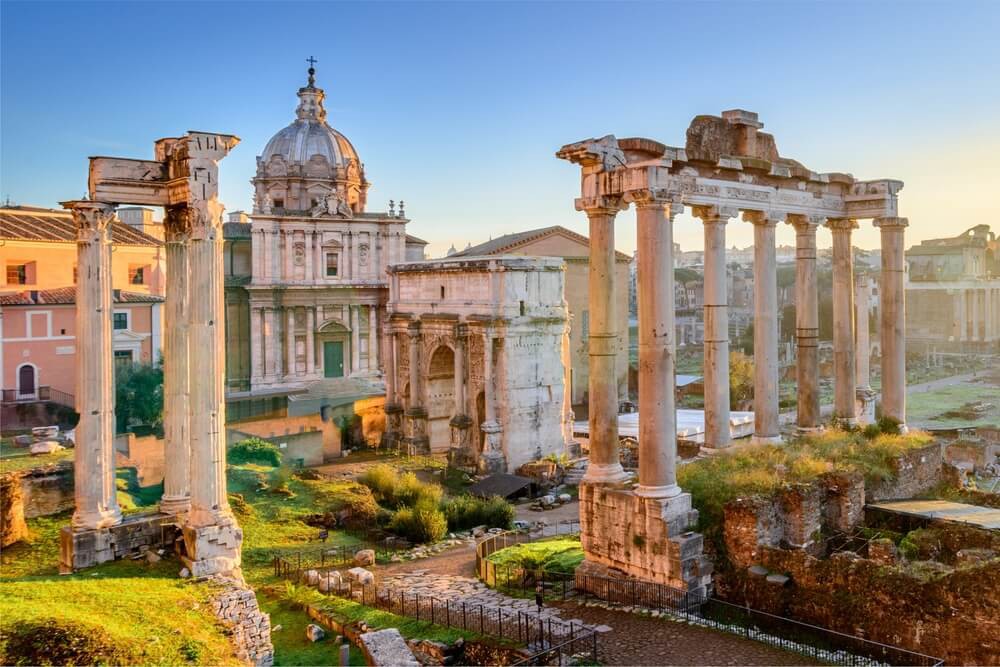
<point>94,455</point>
<point>657,411</point>
<point>862,363</point>
<point>256,342</point>
<point>355,339</point>
<point>416,389</point>
<point>373,338</point>
<point>459,374</point>
<point>716,345</point>
<point>291,367</point>
<point>843,320</point>
<point>765,332</point>
<point>310,341</point>
<point>488,390</point>
<point>308,259</point>
<point>289,255</point>
<point>893,319</point>
<point>806,325</point>
<point>605,464</point>
<point>176,376</point>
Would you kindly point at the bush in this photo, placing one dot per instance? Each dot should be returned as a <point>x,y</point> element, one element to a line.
<point>464,512</point>
<point>381,479</point>
<point>255,450</point>
<point>419,524</point>
<point>59,642</point>
<point>395,490</point>
<point>888,425</point>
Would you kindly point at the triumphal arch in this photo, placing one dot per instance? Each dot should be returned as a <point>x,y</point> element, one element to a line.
<point>728,167</point>
<point>183,179</point>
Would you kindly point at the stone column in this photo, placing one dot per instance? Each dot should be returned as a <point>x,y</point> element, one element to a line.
<point>319,259</point>
<point>256,342</point>
<point>461,332</point>
<point>268,344</point>
<point>460,454</point>
<point>491,459</point>
<point>865,395</point>
<point>843,319</point>
<point>893,319</point>
<point>806,324</point>
<point>289,255</point>
<point>308,259</point>
<point>310,341</point>
<point>372,339</point>
<point>276,265</point>
<point>716,346</point>
<point>291,368</point>
<point>605,463</point>
<point>94,455</point>
<point>176,498</point>
<point>657,409</point>
<point>765,329</point>
<point>393,409</point>
<point>416,440</point>
<point>355,339</point>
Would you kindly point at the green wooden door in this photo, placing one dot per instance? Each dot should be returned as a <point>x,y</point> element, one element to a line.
<point>333,359</point>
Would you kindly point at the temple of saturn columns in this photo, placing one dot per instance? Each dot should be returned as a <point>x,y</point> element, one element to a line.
<point>183,179</point>
<point>727,167</point>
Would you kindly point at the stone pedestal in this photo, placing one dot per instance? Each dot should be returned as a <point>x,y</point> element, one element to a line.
<point>416,440</point>
<point>213,549</point>
<point>393,423</point>
<point>492,459</point>
<point>136,534</point>
<point>645,538</point>
<point>461,455</point>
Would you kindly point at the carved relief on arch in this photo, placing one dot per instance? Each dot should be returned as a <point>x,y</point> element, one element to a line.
<point>474,355</point>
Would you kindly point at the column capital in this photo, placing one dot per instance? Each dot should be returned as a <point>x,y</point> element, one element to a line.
<point>601,205</point>
<point>841,224</point>
<point>805,222</point>
<point>177,223</point>
<point>889,223</point>
<point>714,215</point>
<point>763,218</point>
<point>652,198</point>
<point>90,216</point>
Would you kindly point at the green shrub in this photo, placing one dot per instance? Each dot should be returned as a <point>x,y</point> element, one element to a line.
<point>422,524</point>
<point>871,431</point>
<point>255,450</point>
<point>464,512</point>
<point>382,480</point>
<point>279,483</point>
<point>888,425</point>
<point>60,642</point>
<point>396,490</point>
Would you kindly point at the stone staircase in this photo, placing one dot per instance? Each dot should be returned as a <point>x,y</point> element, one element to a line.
<point>575,472</point>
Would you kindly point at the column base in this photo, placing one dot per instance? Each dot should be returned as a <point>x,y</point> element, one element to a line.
<point>213,549</point>
<point>175,505</point>
<point>766,440</point>
<point>136,534</point>
<point>605,473</point>
<point>96,520</point>
<point>668,491</point>
<point>809,430</point>
<point>491,463</point>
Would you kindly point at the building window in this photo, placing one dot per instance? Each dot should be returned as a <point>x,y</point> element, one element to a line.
<point>136,274</point>
<point>120,322</point>
<point>442,291</point>
<point>17,274</point>
<point>123,357</point>
<point>331,264</point>
<point>279,203</point>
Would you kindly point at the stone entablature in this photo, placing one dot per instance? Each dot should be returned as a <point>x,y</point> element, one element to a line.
<point>478,346</point>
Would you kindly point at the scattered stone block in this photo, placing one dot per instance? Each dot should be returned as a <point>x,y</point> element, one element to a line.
<point>45,447</point>
<point>314,633</point>
<point>565,498</point>
<point>778,579</point>
<point>312,577</point>
<point>364,558</point>
<point>387,648</point>
<point>757,571</point>
<point>153,557</point>
<point>361,576</point>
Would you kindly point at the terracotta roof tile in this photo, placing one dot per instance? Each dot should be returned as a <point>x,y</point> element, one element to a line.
<point>508,242</point>
<point>41,224</point>
<point>67,295</point>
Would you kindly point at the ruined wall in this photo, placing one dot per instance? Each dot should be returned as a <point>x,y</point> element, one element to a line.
<point>915,473</point>
<point>12,526</point>
<point>954,615</point>
<point>237,608</point>
<point>47,490</point>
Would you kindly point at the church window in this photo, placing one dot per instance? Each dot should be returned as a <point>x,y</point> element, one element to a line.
<point>331,264</point>
<point>279,203</point>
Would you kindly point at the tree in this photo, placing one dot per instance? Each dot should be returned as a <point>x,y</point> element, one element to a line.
<point>786,330</point>
<point>745,340</point>
<point>138,395</point>
<point>740,378</point>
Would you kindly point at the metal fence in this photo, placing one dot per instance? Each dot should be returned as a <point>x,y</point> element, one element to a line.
<point>544,636</point>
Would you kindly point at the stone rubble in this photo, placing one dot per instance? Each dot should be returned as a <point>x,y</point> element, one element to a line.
<point>236,606</point>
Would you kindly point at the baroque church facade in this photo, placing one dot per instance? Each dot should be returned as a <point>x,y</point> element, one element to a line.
<point>306,315</point>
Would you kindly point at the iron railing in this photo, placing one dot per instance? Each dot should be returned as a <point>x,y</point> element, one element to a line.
<point>40,394</point>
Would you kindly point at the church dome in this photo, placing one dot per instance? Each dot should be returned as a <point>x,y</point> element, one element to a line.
<point>307,161</point>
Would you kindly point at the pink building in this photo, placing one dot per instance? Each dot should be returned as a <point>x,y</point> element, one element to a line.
<point>38,311</point>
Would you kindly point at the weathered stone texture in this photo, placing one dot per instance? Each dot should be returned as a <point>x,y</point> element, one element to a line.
<point>12,525</point>
<point>711,137</point>
<point>916,472</point>
<point>387,648</point>
<point>237,608</point>
<point>136,534</point>
<point>647,538</point>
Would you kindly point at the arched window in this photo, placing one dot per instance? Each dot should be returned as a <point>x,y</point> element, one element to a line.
<point>27,380</point>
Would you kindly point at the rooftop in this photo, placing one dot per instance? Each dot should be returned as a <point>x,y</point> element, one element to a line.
<point>508,242</point>
<point>31,223</point>
<point>67,295</point>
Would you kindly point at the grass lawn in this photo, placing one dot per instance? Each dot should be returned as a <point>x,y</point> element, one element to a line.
<point>928,408</point>
<point>561,554</point>
<point>18,458</point>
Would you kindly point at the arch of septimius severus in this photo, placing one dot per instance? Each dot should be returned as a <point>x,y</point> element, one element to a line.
<point>727,167</point>
<point>183,179</point>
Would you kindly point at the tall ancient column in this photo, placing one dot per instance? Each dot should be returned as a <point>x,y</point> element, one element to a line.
<point>291,368</point>
<point>268,343</point>
<point>657,410</point>
<point>460,420</point>
<point>212,537</point>
<point>843,319</point>
<point>373,339</point>
<point>716,365</point>
<point>865,400</point>
<point>416,413</point>
<point>806,323</point>
<point>491,460</point>
<point>310,341</point>
<point>605,463</point>
<point>893,318</point>
<point>94,455</point>
<point>765,329</point>
<point>176,417</point>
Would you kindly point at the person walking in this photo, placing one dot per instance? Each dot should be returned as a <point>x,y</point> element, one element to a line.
<point>539,595</point>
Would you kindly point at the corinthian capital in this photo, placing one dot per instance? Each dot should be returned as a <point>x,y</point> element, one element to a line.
<point>603,205</point>
<point>764,218</point>
<point>177,224</point>
<point>899,223</point>
<point>655,198</point>
<point>205,218</point>
<point>90,217</point>
<point>841,224</point>
<point>714,214</point>
<point>805,222</point>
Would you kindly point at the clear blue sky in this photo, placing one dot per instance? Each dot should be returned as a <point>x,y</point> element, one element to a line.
<point>458,108</point>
